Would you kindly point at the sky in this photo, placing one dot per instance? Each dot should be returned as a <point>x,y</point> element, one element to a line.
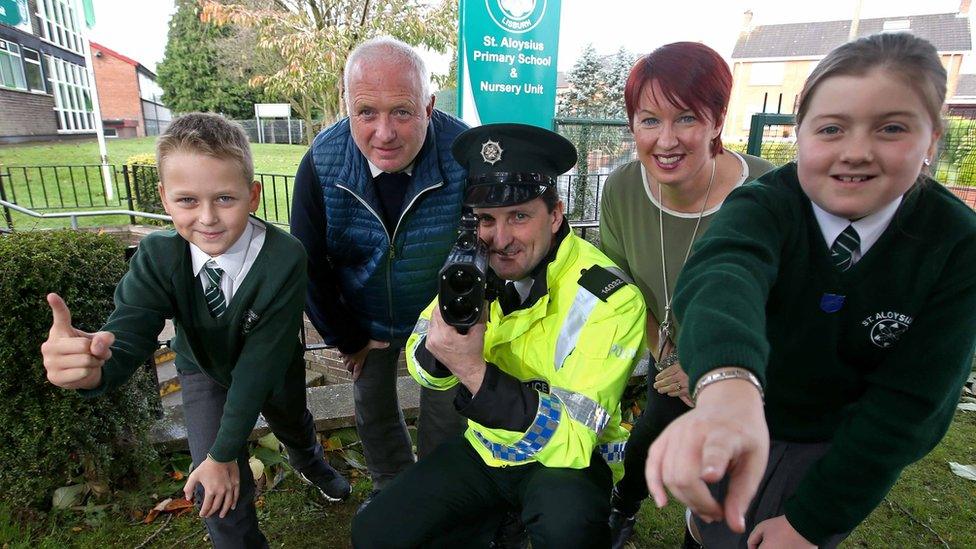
<point>138,29</point>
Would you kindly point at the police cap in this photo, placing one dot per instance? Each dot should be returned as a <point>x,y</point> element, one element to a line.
<point>509,164</point>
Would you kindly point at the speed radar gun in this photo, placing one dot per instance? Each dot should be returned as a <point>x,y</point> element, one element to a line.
<point>463,289</point>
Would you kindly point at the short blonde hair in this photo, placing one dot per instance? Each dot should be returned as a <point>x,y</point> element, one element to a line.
<point>209,134</point>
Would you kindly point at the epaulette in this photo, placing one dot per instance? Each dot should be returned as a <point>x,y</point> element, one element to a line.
<point>602,282</point>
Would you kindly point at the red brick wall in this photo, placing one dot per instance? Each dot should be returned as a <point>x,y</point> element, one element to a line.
<point>118,90</point>
<point>966,194</point>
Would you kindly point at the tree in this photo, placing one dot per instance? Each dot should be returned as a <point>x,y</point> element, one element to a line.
<point>596,91</point>
<point>191,74</point>
<point>313,38</point>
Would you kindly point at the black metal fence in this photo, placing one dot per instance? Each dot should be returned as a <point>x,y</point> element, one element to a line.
<point>134,187</point>
<point>82,187</point>
<point>602,146</point>
<point>53,188</point>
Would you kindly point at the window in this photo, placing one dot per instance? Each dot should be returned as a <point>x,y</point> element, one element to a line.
<point>59,23</point>
<point>767,74</point>
<point>896,25</point>
<point>11,66</point>
<point>72,97</point>
<point>32,70</point>
<point>149,90</point>
<point>110,132</point>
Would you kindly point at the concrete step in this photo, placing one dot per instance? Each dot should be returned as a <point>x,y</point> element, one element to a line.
<point>169,383</point>
<point>331,407</point>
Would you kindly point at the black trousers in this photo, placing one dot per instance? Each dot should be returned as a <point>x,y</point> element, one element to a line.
<point>660,411</point>
<point>450,498</point>
<point>787,466</point>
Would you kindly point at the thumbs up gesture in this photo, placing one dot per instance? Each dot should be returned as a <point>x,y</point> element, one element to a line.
<point>73,358</point>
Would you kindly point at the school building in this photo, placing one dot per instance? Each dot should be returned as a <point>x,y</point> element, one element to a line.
<point>44,88</point>
<point>130,100</point>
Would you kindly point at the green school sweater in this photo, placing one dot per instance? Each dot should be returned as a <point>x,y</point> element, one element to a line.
<point>248,350</point>
<point>871,359</point>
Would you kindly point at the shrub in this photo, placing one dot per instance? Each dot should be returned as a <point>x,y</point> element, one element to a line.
<point>737,146</point>
<point>966,171</point>
<point>957,139</point>
<point>51,437</point>
<point>778,152</point>
<point>145,181</point>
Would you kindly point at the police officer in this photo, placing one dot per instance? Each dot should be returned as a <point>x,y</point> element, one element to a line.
<point>539,380</point>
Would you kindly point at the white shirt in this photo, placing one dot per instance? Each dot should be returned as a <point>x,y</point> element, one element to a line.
<point>523,286</point>
<point>869,227</point>
<point>235,262</point>
<point>374,171</point>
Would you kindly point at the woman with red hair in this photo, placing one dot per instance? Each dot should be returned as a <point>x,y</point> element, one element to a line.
<point>654,208</point>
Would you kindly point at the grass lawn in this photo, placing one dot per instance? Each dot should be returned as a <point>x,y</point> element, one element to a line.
<point>82,188</point>
<point>928,501</point>
<point>272,159</point>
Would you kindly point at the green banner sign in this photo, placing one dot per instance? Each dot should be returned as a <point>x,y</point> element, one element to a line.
<point>10,12</point>
<point>507,61</point>
<point>89,8</point>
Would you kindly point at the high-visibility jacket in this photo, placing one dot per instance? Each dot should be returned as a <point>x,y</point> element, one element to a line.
<point>577,346</point>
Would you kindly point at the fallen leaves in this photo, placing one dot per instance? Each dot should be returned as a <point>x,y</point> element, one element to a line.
<point>67,497</point>
<point>964,471</point>
<point>178,506</point>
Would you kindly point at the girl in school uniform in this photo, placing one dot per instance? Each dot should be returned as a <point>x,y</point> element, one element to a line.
<point>828,314</point>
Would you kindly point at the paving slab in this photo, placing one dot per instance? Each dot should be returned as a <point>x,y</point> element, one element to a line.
<point>331,407</point>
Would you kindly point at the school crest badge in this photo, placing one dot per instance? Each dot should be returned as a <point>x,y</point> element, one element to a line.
<point>250,319</point>
<point>887,327</point>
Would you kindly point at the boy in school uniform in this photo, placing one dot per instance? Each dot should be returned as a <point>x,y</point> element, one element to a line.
<point>235,287</point>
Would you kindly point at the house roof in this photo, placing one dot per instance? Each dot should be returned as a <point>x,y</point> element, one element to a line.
<point>946,31</point>
<point>966,86</point>
<point>95,46</point>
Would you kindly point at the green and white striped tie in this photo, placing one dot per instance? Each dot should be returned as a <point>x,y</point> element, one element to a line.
<point>842,252</point>
<point>214,295</point>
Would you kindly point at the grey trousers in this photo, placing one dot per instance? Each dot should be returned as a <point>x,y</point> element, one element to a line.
<point>379,418</point>
<point>290,421</point>
<point>788,463</point>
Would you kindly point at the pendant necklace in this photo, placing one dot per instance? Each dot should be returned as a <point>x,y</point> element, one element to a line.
<point>666,328</point>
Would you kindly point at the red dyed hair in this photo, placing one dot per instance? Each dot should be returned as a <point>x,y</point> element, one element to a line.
<point>691,76</point>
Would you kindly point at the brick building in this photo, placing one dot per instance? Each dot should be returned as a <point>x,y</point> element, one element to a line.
<point>128,95</point>
<point>44,90</point>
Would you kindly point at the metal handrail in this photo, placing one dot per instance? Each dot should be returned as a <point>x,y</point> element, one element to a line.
<point>82,213</point>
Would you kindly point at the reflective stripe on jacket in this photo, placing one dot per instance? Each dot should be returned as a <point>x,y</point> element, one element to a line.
<point>583,348</point>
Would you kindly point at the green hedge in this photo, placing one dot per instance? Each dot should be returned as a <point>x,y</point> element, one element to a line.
<point>777,152</point>
<point>51,437</point>
<point>145,185</point>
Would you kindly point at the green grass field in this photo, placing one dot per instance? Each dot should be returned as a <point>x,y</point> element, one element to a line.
<point>273,159</point>
<point>927,503</point>
<point>75,189</point>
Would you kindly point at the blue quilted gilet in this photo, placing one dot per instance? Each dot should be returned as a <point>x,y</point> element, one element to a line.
<point>387,284</point>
